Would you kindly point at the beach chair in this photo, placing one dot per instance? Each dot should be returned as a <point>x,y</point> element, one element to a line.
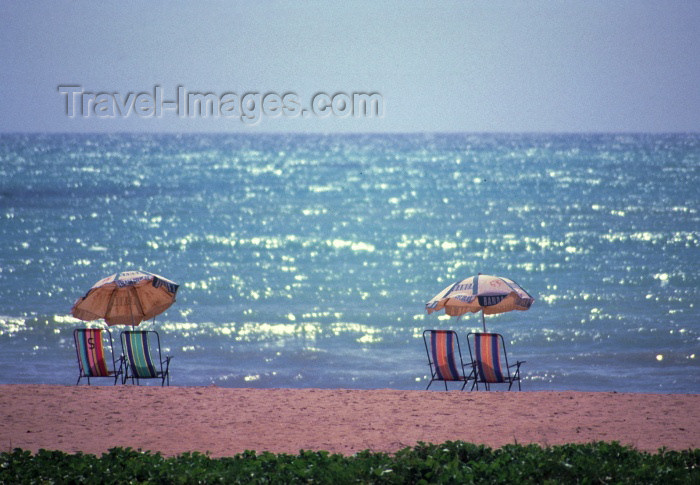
<point>90,348</point>
<point>487,361</point>
<point>139,348</point>
<point>442,347</point>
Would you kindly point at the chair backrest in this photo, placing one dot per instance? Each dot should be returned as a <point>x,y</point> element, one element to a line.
<point>137,351</point>
<point>487,350</point>
<point>91,352</point>
<point>443,356</point>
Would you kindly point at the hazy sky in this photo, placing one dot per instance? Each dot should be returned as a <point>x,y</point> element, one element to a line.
<point>607,66</point>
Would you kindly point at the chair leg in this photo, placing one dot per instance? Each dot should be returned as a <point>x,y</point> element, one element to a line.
<point>432,379</point>
<point>516,376</point>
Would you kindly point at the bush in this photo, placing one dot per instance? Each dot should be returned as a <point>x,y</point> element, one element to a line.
<point>451,462</point>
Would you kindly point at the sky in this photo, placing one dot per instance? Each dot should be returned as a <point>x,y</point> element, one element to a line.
<point>599,66</point>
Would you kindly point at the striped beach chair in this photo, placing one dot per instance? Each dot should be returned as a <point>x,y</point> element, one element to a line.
<point>487,361</point>
<point>445,357</point>
<point>90,348</point>
<point>139,348</point>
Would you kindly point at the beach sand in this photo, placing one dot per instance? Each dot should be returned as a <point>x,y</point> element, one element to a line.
<point>224,421</point>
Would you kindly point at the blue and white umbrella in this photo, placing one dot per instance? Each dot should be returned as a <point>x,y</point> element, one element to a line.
<point>485,293</point>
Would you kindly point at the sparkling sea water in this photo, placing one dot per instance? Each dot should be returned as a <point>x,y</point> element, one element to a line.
<point>306,260</point>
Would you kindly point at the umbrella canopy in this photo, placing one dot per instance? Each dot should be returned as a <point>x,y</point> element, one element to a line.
<point>126,298</point>
<point>485,293</point>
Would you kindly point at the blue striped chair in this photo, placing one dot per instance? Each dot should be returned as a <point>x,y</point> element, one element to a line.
<point>139,348</point>
<point>487,361</point>
<point>442,347</point>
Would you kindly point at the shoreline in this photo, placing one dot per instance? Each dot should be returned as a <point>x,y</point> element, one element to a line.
<point>227,421</point>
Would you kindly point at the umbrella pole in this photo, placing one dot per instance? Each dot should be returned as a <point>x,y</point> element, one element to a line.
<point>131,308</point>
<point>483,320</point>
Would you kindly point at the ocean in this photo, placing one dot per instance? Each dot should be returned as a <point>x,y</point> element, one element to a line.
<point>305,261</point>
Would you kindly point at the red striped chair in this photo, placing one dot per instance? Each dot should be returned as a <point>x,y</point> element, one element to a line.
<point>487,362</point>
<point>90,347</point>
<point>442,347</point>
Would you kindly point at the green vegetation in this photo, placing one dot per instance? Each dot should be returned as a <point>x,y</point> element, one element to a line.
<point>451,462</point>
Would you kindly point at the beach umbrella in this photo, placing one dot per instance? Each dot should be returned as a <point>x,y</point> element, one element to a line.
<point>485,293</point>
<point>126,298</point>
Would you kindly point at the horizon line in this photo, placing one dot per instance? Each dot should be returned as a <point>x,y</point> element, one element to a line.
<point>351,133</point>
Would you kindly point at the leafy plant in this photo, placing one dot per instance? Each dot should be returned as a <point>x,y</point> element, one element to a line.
<point>450,462</point>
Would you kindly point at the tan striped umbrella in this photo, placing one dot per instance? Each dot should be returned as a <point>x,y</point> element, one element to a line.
<point>485,293</point>
<point>126,298</point>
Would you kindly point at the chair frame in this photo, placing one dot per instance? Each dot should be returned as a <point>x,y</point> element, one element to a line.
<point>129,371</point>
<point>462,376</point>
<point>115,373</point>
<point>508,377</point>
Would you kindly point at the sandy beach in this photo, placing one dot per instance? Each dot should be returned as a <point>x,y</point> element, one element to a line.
<point>223,422</point>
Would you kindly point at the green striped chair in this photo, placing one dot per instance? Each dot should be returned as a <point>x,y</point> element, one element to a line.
<point>90,348</point>
<point>139,348</point>
<point>488,359</point>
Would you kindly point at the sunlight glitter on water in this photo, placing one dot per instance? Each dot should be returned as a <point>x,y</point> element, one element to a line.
<point>350,236</point>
